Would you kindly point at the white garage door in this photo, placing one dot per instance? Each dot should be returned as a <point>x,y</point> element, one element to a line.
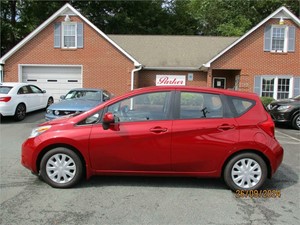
<point>57,80</point>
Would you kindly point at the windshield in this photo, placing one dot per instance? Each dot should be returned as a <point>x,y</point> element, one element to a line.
<point>297,97</point>
<point>5,89</point>
<point>84,94</point>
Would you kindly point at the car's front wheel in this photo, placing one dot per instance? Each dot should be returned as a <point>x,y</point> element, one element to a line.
<point>49,102</point>
<point>20,112</point>
<point>296,122</point>
<point>61,168</point>
<point>245,171</point>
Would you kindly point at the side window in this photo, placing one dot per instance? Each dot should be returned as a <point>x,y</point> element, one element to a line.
<point>24,90</point>
<point>151,106</point>
<point>242,105</point>
<point>36,89</point>
<point>200,105</point>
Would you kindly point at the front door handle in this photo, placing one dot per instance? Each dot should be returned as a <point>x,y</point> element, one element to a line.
<point>158,130</point>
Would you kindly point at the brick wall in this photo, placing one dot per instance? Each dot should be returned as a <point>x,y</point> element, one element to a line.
<point>104,66</point>
<point>249,56</point>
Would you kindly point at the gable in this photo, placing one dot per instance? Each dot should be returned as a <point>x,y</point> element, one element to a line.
<point>66,10</point>
<point>280,14</point>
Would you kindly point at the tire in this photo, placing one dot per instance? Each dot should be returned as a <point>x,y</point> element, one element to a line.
<point>49,102</point>
<point>20,112</point>
<point>296,122</point>
<point>237,177</point>
<point>61,168</point>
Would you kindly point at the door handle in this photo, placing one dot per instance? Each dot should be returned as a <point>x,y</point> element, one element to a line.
<point>226,127</point>
<point>158,130</point>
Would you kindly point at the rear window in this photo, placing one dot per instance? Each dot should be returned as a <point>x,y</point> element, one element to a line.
<point>242,105</point>
<point>5,89</point>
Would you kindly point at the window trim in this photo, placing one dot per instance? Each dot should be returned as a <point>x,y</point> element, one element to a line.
<point>276,78</point>
<point>63,34</point>
<point>285,42</point>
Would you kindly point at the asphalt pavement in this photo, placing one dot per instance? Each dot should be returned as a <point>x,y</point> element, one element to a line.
<point>24,199</point>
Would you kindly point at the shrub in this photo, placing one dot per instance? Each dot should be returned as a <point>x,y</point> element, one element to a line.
<point>266,100</point>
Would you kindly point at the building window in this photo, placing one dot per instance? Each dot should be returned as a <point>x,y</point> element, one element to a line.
<point>276,87</point>
<point>69,35</point>
<point>279,38</point>
<point>283,88</point>
<point>267,87</point>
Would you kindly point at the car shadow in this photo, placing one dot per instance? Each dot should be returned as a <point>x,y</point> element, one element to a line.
<point>284,126</point>
<point>149,181</point>
<point>31,117</point>
<point>283,178</point>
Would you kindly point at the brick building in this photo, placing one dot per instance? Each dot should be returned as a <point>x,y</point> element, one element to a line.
<point>68,51</point>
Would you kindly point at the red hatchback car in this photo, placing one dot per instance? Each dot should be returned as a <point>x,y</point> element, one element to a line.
<point>164,131</point>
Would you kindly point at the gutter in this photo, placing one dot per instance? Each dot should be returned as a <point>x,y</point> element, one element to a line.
<point>132,76</point>
<point>172,68</point>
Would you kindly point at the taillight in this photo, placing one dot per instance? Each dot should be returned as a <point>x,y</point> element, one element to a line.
<point>5,99</point>
<point>268,126</point>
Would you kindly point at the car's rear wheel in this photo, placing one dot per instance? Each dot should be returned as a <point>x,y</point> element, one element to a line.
<point>245,171</point>
<point>296,122</point>
<point>20,112</point>
<point>61,168</point>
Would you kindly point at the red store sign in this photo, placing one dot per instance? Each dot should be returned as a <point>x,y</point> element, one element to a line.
<point>165,80</point>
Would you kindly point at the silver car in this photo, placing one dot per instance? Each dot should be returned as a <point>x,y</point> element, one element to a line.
<point>76,101</point>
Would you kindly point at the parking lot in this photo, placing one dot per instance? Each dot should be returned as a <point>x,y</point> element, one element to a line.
<point>26,200</point>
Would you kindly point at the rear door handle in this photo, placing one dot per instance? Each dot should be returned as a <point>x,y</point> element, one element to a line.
<point>226,127</point>
<point>158,130</point>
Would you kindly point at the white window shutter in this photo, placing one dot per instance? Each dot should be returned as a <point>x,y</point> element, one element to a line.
<point>291,38</point>
<point>257,85</point>
<point>57,35</point>
<point>79,35</point>
<point>296,86</point>
<point>267,38</point>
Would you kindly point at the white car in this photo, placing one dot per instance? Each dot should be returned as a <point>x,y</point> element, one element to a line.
<point>16,99</point>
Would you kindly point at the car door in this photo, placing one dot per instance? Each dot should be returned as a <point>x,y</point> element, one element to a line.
<point>23,96</point>
<point>140,140</point>
<point>37,97</point>
<point>202,134</point>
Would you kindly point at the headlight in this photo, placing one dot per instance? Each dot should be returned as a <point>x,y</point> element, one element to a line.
<point>56,112</point>
<point>39,130</point>
<point>283,107</point>
<point>49,111</point>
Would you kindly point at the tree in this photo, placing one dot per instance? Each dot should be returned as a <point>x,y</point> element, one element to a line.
<point>168,17</point>
<point>20,17</point>
<point>234,17</point>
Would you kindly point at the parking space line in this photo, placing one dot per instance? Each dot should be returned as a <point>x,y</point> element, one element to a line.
<point>296,139</point>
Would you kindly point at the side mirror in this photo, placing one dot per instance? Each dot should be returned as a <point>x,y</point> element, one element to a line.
<point>44,91</point>
<point>108,120</point>
<point>62,97</point>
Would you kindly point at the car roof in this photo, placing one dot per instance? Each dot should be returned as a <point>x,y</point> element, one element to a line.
<point>86,89</point>
<point>13,84</point>
<point>200,89</point>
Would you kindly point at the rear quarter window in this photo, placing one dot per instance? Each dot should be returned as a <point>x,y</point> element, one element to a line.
<point>242,105</point>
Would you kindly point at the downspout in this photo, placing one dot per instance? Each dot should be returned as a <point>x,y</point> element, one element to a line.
<point>132,76</point>
<point>1,73</point>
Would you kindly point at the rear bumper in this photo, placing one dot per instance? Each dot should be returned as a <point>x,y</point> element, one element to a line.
<point>276,158</point>
<point>7,110</point>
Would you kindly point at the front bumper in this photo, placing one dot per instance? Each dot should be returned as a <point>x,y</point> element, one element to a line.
<point>29,155</point>
<point>281,117</point>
